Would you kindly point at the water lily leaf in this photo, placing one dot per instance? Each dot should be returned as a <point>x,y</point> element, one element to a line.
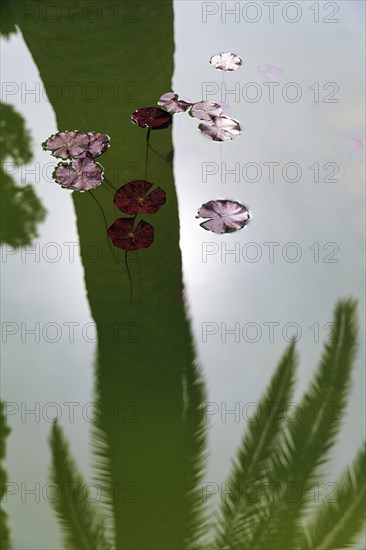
<point>79,175</point>
<point>220,128</point>
<point>206,110</point>
<point>123,235</point>
<point>355,144</point>
<point>225,216</point>
<point>226,61</point>
<point>171,103</point>
<point>152,117</point>
<point>132,198</point>
<point>76,144</point>
<point>270,71</point>
<point>98,143</point>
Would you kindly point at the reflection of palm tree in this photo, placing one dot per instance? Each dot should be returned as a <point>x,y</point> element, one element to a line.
<point>272,455</point>
<point>21,209</point>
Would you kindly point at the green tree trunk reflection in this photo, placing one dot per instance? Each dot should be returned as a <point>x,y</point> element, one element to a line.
<point>97,73</point>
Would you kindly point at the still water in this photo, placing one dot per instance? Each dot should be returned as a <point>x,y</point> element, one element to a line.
<point>136,387</point>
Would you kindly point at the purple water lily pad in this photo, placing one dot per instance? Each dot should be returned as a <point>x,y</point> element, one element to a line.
<point>132,198</point>
<point>220,128</point>
<point>79,175</point>
<point>172,103</point>
<point>76,144</point>
<point>98,143</point>
<point>270,71</point>
<point>123,235</point>
<point>355,144</point>
<point>226,61</point>
<point>152,117</point>
<point>68,144</point>
<point>225,216</point>
<point>205,110</point>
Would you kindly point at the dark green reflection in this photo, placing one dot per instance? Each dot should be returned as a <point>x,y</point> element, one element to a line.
<point>8,16</point>
<point>97,73</point>
<point>4,432</point>
<point>21,209</point>
<point>268,501</point>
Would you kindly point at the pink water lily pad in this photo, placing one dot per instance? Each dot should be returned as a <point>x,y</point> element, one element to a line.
<point>270,71</point>
<point>152,117</point>
<point>123,235</point>
<point>76,144</point>
<point>225,216</point>
<point>171,103</point>
<point>355,144</point>
<point>132,198</point>
<point>226,61</point>
<point>220,128</point>
<point>205,110</point>
<point>98,143</point>
<point>68,144</point>
<point>79,175</point>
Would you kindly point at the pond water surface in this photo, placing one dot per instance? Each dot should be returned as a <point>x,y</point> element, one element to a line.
<point>246,294</point>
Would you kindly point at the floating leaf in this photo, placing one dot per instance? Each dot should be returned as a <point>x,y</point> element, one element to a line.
<point>226,61</point>
<point>220,128</point>
<point>75,144</point>
<point>80,175</point>
<point>225,216</point>
<point>172,103</point>
<point>98,143</point>
<point>67,144</point>
<point>270,71</point>
<point>124,235</point>
<point>152,117</point>
<point>132,199</point>
<point>206,110</point>
<point>355,144</point>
